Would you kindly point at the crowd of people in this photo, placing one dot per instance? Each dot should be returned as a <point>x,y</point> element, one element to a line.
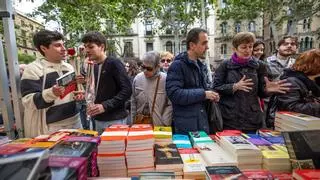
<point>167,90</point>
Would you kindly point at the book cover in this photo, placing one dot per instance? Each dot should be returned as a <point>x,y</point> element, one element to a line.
<point>167,155</point>
<point>303,148</point>
<point>258,174</point>
<point>162,132</point>
<point>140,132</point>
<point>192,160</point>
<point>306,174</point>
<point>224,172</point>
<point>68,81</point>
<point>68,167</point>
<point>181,141</point>
<point>214,155</point>
<point>115,133</point>
<point>199,137</point>
<point>282,176</point>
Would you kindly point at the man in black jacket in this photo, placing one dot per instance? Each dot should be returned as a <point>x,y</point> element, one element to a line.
<point>113,87</point>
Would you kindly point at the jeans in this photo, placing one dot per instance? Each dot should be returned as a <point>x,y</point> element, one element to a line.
<point>83,115</point>
<point>101,125</point>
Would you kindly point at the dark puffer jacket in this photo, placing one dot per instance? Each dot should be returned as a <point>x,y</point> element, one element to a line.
<point>303,97</point>
<point>185,88</point>
<point>240,110</point>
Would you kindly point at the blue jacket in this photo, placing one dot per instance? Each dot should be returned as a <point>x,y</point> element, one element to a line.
<point>185,88</point>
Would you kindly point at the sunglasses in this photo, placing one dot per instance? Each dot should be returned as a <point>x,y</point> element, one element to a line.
<point>146,68</point>
<point>165,60</point>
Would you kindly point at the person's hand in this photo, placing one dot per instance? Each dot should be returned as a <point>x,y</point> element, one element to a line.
<point>243,85</point>
<point>57,90</point>
<point>80,79</point>
<point>78,95</point>
<point>281,86</point>
<point>95,109</point>
<point>213,96</point>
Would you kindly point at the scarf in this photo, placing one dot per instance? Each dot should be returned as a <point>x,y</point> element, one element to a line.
<point>238,60</point>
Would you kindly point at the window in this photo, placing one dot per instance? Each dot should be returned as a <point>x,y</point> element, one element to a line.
<point>183,46</point>
<point>311,43</point>
<point>223,27</point>
<point>309,24</point>
<point>223,49</point>
<point>252,26</point>
<point>34,53</point>
<point>168,31</point>
<point>23,33</point>
<point>223,4</point>
<point>149,47</point>
<point>306,43</point>
<point>304,24</point>
<point>149,28</point>
<point>128,49</point>
<point>23,23</point>
<point>237,27</point>
<point>169,46</point>
<point>271,33</point>
<point>25,51</point>
<point>31,27</point>
<point>289,26</point>
<point>24,43</point>
<point>301,44</point>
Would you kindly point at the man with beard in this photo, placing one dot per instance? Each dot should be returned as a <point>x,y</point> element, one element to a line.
<point>287,47</point>
<point>186,86</point>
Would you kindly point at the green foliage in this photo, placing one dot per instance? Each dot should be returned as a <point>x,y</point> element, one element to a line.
<point>25,58</point>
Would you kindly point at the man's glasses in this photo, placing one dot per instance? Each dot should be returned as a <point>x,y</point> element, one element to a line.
<point>146,68</point>
<point>165,60</point>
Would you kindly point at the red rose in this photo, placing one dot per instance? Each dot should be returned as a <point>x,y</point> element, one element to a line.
<point>71,51</point>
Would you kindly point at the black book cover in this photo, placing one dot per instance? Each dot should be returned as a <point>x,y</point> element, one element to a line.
<point>167,154</point>
<point>303,148</point>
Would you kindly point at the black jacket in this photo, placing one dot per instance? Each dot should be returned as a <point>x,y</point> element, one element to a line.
<point>113,91</point>
<point>185,86</point>
<point>240,110</point>
<point>303,97</point>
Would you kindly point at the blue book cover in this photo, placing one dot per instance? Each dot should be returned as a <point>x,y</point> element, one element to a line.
<point>181,141</point>
<point>200,137</point>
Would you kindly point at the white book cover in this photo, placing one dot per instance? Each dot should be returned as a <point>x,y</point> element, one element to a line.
<point>214,155</point>
<point>240,146</point>
<point>192,161</point>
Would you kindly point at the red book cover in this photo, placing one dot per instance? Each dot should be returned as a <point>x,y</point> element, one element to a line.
<point>9,149</point>
<point>258,174</point>
<point>188,151</point>
<point>140,132</point>
<point>306,174</point>
<point>115,133</point>
<point>282,176</point>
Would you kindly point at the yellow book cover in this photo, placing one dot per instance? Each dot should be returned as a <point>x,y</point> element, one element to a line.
<point>162,132</point>
<point>90,132</point>
<point>42,144</point>
<point>275,153</point>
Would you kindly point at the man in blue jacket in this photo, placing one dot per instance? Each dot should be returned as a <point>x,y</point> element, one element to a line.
<point>186,86</point>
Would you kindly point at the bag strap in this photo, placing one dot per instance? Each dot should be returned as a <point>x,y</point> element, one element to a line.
<point>155,94</point>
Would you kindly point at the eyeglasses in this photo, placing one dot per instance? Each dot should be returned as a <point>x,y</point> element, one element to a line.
<point>146,68</point>
<point>165,60</point>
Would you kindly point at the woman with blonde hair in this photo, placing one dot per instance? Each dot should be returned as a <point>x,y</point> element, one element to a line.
<point>166,59</point>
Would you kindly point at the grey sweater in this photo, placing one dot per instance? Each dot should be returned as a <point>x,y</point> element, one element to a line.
<point>143,90</point>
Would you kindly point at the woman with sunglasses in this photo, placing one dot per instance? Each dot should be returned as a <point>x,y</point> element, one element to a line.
<point>166,60</point>
<point>149,98</point>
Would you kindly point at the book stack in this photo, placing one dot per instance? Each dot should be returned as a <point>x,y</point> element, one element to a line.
<point>168,159</point>
<point>224,172</point>
<point>139,151</point>
<point>111,157</point>
<point>181,141</point>
<point>199,137</point>
<point>214,155</point>
<point>194,166</point>
<point>247,155</point>
<point>162,134</point>
<point>274,159</point>
<point>292,121</point>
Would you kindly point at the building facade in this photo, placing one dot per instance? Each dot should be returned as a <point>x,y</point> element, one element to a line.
<point>307,31</point>
<point>144,36</point>
<point>25,28</point>
<point>226,29</point>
